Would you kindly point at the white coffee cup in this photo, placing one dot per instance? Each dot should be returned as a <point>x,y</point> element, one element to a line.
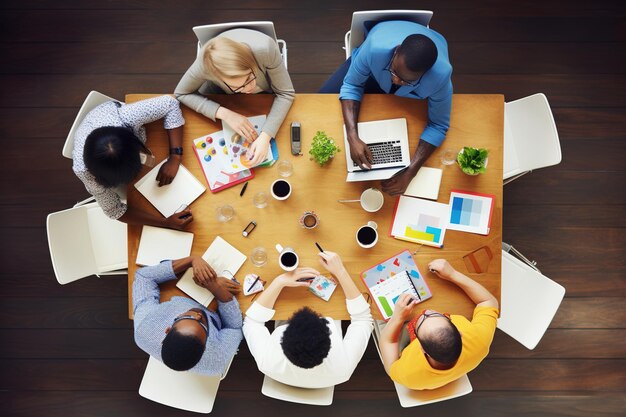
<point>372,200</point>
<point>287,258</point>
<point>280,189</point>
<point>367,235</point>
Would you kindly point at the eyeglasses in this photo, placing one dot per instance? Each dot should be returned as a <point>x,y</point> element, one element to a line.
<point>422,318</point>
<point>240,88</point>
<point>196,319</point>
<point>402,81</point>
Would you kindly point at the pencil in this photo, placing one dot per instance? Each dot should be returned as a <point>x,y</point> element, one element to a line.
<point>243,190</point>
<point>319,247</point>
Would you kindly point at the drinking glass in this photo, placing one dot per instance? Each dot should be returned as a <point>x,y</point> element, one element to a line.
<point>260,199</point>
<point>285,168</point>
<point>448,156</point>
<point>225,213</point>
<point>258,256</point>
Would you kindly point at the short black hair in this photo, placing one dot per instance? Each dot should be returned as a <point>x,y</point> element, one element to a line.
<point>419,52</point>
<point>306,341</point>
<point>111,155</point>
<point>443,344</point>
<point>181,352</point>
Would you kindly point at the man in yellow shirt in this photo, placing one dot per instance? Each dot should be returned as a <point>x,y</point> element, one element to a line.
<point>443,348</point>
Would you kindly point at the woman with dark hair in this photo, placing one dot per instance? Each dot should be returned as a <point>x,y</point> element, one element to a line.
<point>107,154</point>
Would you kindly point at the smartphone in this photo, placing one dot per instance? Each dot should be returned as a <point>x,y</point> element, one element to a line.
<point>295,138</point>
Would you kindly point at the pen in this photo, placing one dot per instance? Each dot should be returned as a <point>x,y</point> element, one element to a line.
<point>319,247</point>
<point>305,279</point>
<point>243,190</point>
<point>254,283</point>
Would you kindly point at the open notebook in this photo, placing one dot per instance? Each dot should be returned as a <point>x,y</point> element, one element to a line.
<point>167,199</point>
<point>222,256</point>
<point>158,244</point>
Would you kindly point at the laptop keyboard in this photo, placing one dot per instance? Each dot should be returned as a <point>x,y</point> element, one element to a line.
<point>385,152</point>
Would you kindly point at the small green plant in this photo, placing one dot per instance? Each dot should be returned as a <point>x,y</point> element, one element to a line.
<point>323,148</point>
<point>472,161</point>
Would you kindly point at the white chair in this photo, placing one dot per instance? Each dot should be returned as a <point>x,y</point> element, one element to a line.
<point>83,241</point>
<point>412,398</point>
<point>206,32</point>
<point>93,100</point>
<point>356,35</point>
<point>529,300</point>
<point>531,140</point>
<point>183,390</point>
<point>312,396</point>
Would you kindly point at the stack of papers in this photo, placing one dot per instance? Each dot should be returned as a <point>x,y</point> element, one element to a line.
<point>158,244</point>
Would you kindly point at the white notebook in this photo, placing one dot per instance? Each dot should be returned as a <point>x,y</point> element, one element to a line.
<point>167,199</point>
<point>425,184</point>
<point>222,256</point>
<point>158,244</point>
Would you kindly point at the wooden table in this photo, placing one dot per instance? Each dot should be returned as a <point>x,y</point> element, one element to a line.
<point>476,120</point>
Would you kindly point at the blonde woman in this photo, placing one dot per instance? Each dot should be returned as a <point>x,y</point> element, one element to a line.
<point>239,61</point>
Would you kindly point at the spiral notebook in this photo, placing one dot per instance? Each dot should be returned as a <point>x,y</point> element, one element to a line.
<point>392,278</point>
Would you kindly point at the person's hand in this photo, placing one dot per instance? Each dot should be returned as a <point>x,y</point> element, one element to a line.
<point>332,262</point>
<point>203,274</point>
<point>229,285</point>
<point>290,279</point>
<point>240,124</point>
<point>258,150</point>
<point>360,153</point>
<point>180,220</point>
<point>442,268</point>
<point>168,170</point>
<point>398,183</point>
<point>404,307</point>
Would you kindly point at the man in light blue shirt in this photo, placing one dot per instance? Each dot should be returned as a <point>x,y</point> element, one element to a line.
<point>405,59</point>
<point>181,333</point>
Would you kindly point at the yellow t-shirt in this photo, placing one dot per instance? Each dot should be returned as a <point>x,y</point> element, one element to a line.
<point>413,370</point>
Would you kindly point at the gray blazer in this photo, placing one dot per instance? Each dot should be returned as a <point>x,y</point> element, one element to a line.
<point>273,77</point>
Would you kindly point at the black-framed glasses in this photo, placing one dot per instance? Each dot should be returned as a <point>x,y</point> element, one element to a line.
<point>196,319</point>
<point>248,81</point>
<point>402,81</point>
<point>426,315</point>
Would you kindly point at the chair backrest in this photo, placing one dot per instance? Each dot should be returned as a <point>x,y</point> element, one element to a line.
<point>531,139</point>
<point>206,32</point>
<point>529,301</point>
<point>83,241</point>
<point>183,390</point>
<point>355,37</point>
<point>413,398</point>
<point>93,100</point>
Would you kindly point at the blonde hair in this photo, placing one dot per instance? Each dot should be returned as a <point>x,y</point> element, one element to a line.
<point>223,57</point>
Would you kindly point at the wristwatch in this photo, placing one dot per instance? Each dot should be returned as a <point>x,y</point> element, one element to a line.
<point>176,151</point>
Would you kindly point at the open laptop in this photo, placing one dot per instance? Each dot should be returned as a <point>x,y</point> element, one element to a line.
<point>388,141</point>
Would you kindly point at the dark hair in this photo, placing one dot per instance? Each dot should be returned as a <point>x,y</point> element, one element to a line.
<point>306,341</point>
<point>443,344</point>
<point>181,352</point>
<point>419,52</point>
<point>111,155</point>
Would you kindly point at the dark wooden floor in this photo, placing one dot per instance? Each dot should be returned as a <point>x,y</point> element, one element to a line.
<point>68,351</point>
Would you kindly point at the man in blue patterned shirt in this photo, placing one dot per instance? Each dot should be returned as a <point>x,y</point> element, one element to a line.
<point>181,333</point>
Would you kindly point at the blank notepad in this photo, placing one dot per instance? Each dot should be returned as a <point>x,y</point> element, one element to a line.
<point>158,244</point>
<point>167,199</point>
<point>425,184</point>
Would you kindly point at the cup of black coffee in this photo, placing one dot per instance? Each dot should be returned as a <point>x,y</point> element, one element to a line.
<point>367,235</point>
<point>287,258</point>
<point>281,189</point>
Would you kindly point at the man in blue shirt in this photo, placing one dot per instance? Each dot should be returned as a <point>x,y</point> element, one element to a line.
<point>405,59</point>
<point>181,333</point>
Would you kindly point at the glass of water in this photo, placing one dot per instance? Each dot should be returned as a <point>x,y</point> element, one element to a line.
<point>285,168</point>
<point>258,256</point>
<point>260,199</point>
<point>448,156</point>
<point>225,213</point>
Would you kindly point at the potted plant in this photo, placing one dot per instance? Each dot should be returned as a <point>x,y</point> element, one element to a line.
<point>323,148</point>
<point>472,161</point>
